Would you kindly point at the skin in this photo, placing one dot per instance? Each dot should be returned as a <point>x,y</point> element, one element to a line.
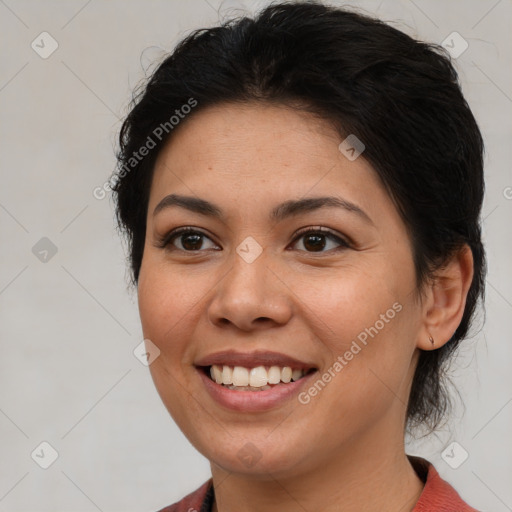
<point>344,450</point>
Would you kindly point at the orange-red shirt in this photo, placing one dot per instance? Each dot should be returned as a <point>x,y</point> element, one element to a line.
<point>437,496</point>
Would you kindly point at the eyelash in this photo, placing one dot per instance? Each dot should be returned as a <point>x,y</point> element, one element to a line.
<point>166,241</point>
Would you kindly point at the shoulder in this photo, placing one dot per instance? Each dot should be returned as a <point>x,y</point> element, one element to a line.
<point>438,495</point>
<point>193,502</point>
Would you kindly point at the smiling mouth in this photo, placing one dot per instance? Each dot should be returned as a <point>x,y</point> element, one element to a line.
<point>259,378</point>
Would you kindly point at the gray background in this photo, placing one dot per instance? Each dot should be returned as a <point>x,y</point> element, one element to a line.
<point>69,325</point>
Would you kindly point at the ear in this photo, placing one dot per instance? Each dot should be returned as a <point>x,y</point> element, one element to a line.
<point>445,300</point>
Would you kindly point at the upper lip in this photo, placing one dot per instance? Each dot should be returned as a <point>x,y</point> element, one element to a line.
<point>252,359</point>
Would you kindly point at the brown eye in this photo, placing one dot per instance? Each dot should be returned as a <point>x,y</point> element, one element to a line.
<point>186,239</point>
<point>315,240</point>
<point>191,241</point>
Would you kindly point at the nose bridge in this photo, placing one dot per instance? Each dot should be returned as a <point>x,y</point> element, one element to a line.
<point>247,281</point>
<point>249,290</point>
<point>249,268</point>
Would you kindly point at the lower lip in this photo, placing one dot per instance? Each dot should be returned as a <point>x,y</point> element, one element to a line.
<point>253,401</point>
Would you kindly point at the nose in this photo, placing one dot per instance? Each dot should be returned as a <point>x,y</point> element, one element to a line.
<point>251,296</point>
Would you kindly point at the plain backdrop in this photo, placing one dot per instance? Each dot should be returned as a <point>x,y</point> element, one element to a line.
<point>68,321</point>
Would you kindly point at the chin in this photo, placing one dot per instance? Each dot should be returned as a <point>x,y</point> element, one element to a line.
<point>256,455</point>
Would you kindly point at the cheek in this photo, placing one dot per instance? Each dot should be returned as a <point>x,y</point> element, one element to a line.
<point>366,317</point>
<point>163,313</point>
<point>160,308</point>
<point>351,300</point>
<point>171,304</point>
<point>166,300</point>
<point>153,302</point>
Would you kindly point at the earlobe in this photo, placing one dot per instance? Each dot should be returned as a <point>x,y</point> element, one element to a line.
<point>446,299</point>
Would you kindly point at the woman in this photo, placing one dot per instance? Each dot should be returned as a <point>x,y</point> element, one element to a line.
<point>301,195</point>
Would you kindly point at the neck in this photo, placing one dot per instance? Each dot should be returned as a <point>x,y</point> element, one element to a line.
<point>372,474</point>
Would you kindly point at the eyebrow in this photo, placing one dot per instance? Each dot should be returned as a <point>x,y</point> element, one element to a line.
<point>284,210</point>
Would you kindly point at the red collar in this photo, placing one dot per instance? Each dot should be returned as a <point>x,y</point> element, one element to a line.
<point>438,495</point>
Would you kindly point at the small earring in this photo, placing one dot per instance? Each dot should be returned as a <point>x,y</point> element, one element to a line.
<point>431,339</point>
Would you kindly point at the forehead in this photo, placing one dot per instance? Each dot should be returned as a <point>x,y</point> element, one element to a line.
<point>250,154</point>
<point>239,133</point>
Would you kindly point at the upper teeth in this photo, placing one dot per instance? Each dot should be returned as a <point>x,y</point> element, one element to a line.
<point>254,377</point>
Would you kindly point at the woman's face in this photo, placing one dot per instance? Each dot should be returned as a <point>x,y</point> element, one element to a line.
<point>256,284</point>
